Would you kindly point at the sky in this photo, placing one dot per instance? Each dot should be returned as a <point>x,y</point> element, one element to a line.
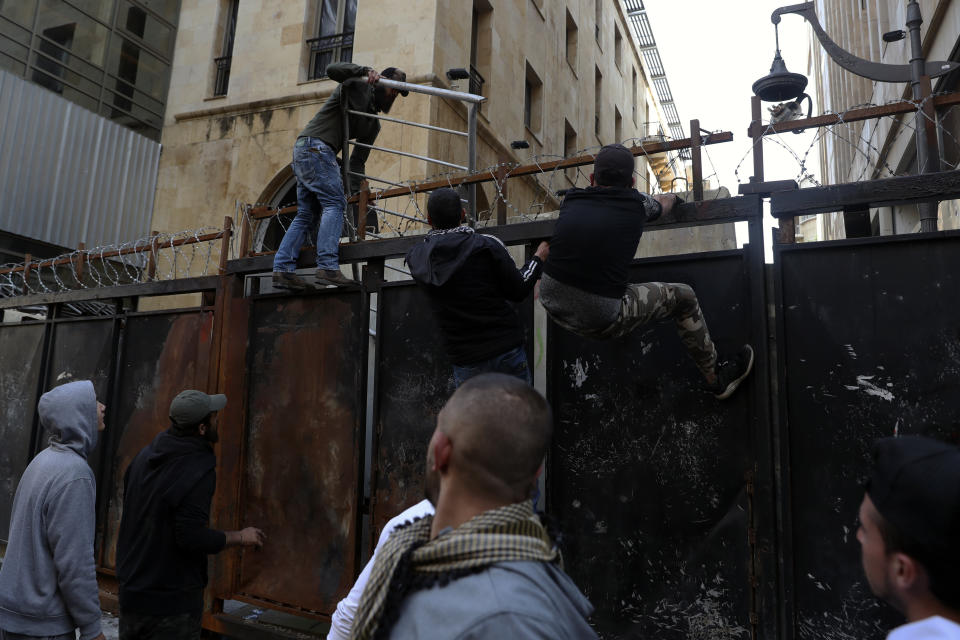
<point>712,52</point>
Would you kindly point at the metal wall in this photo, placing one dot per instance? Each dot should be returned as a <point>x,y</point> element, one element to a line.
<point>648,474</point>
<point>870,347</point>
<point>681,516</point>
<point>68,175</point>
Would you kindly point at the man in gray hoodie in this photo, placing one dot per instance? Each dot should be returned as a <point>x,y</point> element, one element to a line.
<point>48,581</point>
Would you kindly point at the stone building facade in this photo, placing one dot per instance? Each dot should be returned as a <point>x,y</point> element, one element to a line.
<point>880,148</point>
<point>562,75</point>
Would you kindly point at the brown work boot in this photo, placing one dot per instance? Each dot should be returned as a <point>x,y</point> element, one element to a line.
<point>290,281</point>
<point>333,276</point>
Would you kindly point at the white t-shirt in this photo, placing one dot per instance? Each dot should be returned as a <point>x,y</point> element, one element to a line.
<point>932,628</point>
<point>342,620</point>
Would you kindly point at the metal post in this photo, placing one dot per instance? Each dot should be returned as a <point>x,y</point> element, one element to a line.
<point>696,160</point>
<point>926,156</point>
<point>472,109</point>
<point>756,132</point>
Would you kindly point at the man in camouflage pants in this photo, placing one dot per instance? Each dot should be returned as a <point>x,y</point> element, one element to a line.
<point>584,288</point>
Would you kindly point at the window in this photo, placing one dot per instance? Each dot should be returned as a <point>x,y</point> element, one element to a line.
<point>597,91</point>
<point>228,20</point>
<point>598,4</point>
<point>570,149</point>
<point>633,96</point>
<point>617,47</point>
<point>109,56</point>
<point>571,42</point>
<point>617,125</point>
<point>336,21</point>
<point>532,100</point>
<point>480,45</point>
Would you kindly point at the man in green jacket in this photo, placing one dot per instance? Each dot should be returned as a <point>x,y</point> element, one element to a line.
<point>319,183</point>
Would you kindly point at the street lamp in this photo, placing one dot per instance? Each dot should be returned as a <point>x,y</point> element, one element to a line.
<point>780,84</point>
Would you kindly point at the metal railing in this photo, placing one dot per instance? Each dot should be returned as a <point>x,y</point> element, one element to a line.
<point>329,49</point>
<point>223,75</point>
<point>472,101</point>
<point>476,81</point>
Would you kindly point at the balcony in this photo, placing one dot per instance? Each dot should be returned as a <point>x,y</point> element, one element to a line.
<point>327,50</point>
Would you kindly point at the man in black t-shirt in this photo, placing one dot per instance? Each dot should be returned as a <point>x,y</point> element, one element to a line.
<point>471,280</point>
<point>585,286</point>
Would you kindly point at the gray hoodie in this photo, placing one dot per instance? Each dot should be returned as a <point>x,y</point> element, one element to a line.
<point>48,582</point>
<point>515,600</point>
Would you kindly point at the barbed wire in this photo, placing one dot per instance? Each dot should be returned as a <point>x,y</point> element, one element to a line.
<point>163,256</point>
<point>524,198</point>
<point>869,159</point>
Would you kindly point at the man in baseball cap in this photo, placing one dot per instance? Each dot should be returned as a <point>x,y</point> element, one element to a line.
<point>910,534</point>
<point>165,533</point>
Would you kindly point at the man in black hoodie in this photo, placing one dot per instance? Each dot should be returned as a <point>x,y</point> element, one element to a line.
<point>471,280</point>
<point>585,286</point>
<point>164,534</point>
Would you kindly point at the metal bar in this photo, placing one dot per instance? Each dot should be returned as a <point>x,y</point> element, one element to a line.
<point>472,111</point>
<point>931,187</point>
<point>696,160</point>
<point>756,113</point>
<point>345,170</point>
<point>431,91</point>
<point>855,115</point>
<point>529,169</point>
<point>409,155</point>
<point>399,215</point>
<point>366,177</point>
<point>408,122</point>
<point>161,287</point>
<point>690,214</point>
<point>404,271</point>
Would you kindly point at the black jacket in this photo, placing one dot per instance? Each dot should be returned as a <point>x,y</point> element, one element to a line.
<point>596,238</point>
<point>164,537</point>
<point>470,278</point>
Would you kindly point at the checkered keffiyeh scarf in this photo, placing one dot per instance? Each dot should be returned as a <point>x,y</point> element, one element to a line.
<point>410,561</point>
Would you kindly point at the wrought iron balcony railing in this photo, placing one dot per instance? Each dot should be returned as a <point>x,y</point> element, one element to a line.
<point>329,49</point>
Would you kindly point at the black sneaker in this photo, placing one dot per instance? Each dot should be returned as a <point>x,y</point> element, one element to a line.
<point>290,281</point>
<point>333,276</point>
<point>730,373</point>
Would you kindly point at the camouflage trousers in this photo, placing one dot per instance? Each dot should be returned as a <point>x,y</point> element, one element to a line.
<point>143,626</point>
<point>646,302</point>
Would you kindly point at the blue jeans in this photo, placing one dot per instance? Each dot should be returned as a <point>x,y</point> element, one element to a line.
<point>319,190</point>
<point>512,363</point>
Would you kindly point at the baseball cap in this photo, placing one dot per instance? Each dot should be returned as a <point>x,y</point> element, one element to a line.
<point>613,165</point>
<point>915,485</point>
<point>191,406</point>
<point>396,74</point>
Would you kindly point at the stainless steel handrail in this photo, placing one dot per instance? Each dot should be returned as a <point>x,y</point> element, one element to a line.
<point>412,124</point>
<point>432,91</point>
<point>409,155</point>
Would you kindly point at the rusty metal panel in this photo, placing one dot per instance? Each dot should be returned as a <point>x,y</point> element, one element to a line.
<point>414,381</point>
<point>160,356</point>
<point>647,474</point>
<point>304,447</point>
<point>21,353</point>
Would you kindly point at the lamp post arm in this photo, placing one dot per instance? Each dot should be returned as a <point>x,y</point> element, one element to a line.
<point>864,68</point>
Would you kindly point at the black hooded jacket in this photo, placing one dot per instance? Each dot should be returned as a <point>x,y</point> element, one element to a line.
<point>471,280</point>
<point>164,537</point>
<point>596,237</point>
